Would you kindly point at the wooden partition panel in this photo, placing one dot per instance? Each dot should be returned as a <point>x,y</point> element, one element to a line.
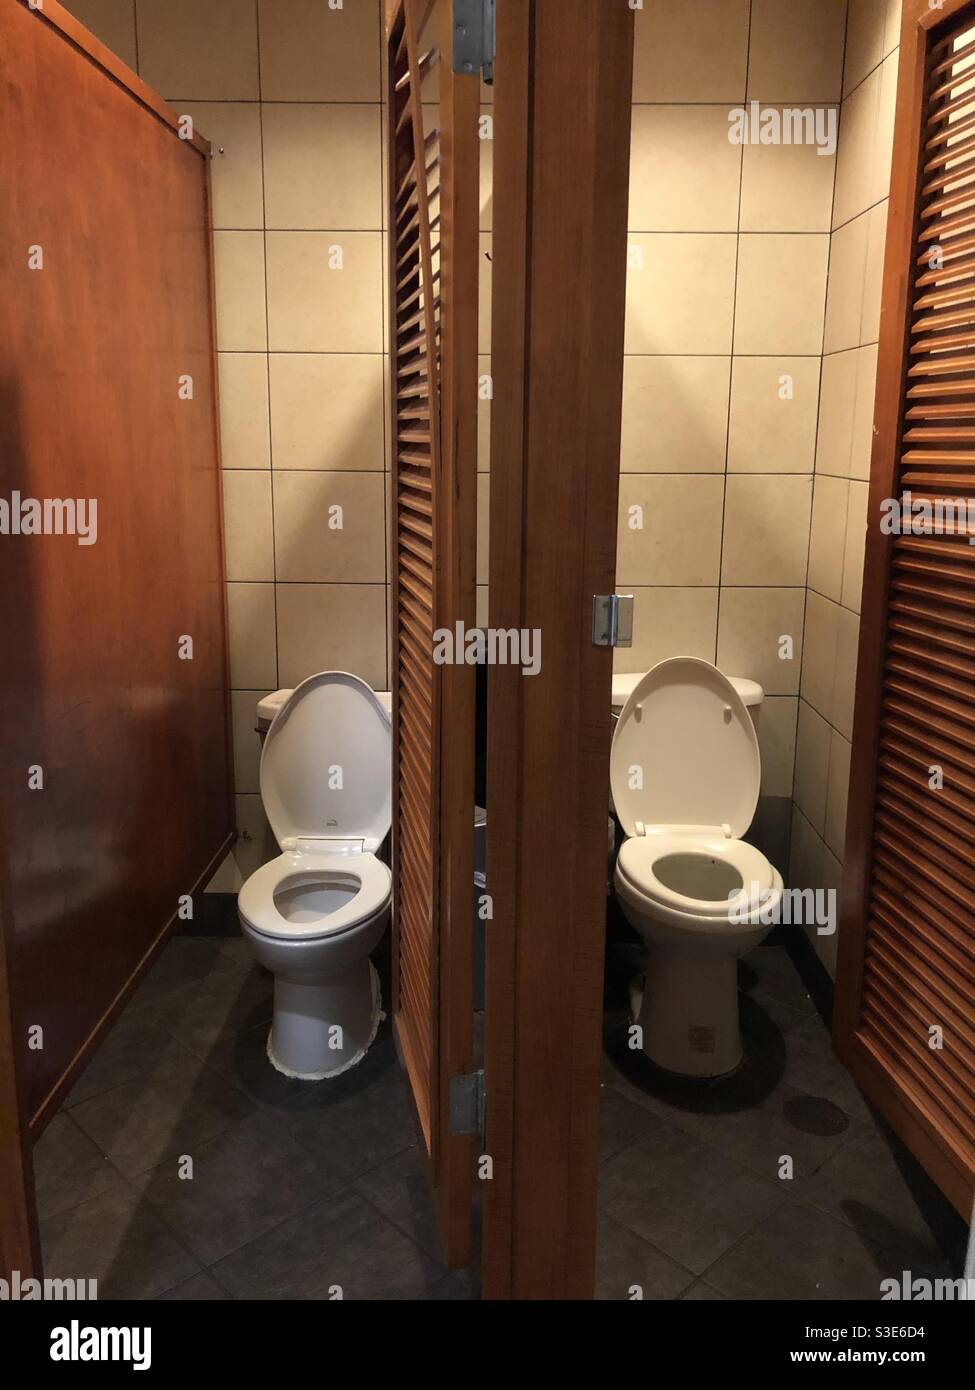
<point>433,220</point>
<point>561,170</point>
<point>905,1015</point>
<point>114,730</point>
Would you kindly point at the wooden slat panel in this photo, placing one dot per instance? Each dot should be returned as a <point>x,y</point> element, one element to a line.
<point>907,954</point>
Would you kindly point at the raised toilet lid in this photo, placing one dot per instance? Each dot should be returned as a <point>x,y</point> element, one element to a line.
<point>686,727</point>
<point>326,766</point>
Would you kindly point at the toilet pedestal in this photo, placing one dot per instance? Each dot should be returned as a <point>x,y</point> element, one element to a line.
<point>324,1026</point>
<point>697,1038</point>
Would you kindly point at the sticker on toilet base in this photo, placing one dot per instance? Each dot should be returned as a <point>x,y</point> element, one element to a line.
<point>700,1039</point>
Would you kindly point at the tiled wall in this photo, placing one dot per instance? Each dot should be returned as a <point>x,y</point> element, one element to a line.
<point>289,94</point>
<point>843,450</point>
<point>729,248</point>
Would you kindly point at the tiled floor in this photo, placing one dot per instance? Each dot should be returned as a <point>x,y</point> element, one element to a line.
<point>184,1167</point>
<point>692,1204</point>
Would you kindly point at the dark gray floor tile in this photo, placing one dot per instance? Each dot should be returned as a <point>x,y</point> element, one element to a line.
<point>178,1106</point>
<point>135,1045</point>
<point>69,1168</point>
<point>120,1241</point>
<point>205,1013</point>
<point>627,1268</point>
<point>359,1119</point>
<point>459,1286</point>
<point>701,1293</point>
<point>238,949</point>
<point>243,1059</point>
<point>685,1198</point>
<point>813,1067</point>
<point>768,972</point>
<point>800,1252</point>
<point>864,1187</point>
<point>341,1247</point>
<point>621,1122</point>
<point>200,1289</point>
<point>246,1180</point>
<point>400,1189</point>
<point>182,961</point>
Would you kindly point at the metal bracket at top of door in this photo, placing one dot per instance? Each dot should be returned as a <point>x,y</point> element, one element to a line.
<point>474,38</point>
<point>612,620</point>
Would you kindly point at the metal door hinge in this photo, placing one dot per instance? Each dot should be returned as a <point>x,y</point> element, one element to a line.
<point>467,1103</point>
<point>612,620</point>
<point>474,38</point>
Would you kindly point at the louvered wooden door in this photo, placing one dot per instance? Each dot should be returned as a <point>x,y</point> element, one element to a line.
<point>905,1020</point>
<point>432,256</point>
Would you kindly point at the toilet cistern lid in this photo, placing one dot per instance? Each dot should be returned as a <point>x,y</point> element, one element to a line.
<point>326,766</point>
<point>685,751</point>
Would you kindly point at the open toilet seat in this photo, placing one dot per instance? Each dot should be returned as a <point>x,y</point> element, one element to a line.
<point>698,876</point>
<point>283,898</point>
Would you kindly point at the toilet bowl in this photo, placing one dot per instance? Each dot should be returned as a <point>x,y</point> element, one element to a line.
<point>686,774</point>
<point>313,915</point>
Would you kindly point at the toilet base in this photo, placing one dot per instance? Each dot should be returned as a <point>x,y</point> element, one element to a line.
<point>322,1028</point>
<point>689,1013</point>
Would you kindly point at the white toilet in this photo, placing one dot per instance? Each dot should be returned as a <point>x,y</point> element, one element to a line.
<point>686,774</point>
<point>314,914</point>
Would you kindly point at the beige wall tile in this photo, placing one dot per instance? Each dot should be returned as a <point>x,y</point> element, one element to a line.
<point>485,130</point>
<point>892,36</point>
<point>857,154</point>
<point>805,859</point>
<point>311,52</point>
<point>866,34</point>
<point>774,401</point>
<point>863,428</point>
<point>844,300</point>
<point>856,537</point>
<point>247,744</point>
<point>752,624</point>
<point>315,306</point>
<point>485,392</point>
<point>873,280</point>
<point>483,527</point>
<point>675,414</point>
<point>234,131</point>
<point>332,627</point>
<point>670,622</point>
<point>323,166</point>
<point>766,529</point>
<point>250,620</point>
<point>847,650</point>
<point>781,294</point>
<point>812,766</point>
<point>680,293</point>
<point>483,295</point>
<point>777,744</point>
<point>482,606</point>
<point>796,52</point>
<point>825,945</point>
<point>247,526</point>
<point>329,527</point>
<point>238,274</point>
<point>685,174</point>
<point>203,52</point>
<point>255,839</point>
<point>880,185</point>
<point>670,529</point>
<point>828,536</point>
<point>112,21</point>
<point>819,654</point>
<point>838,785</point>
<point>837,410</point>
<point>787,188</point>
<point>244,427</point>
<point>691,53</point>
<point>327,411</point>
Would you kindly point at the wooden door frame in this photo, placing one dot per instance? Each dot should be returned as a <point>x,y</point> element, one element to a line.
<point>909,1122</point>
<point>561,179</point>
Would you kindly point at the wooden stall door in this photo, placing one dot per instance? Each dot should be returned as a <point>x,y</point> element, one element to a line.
<point>433,284</point>
<point>114,733</point>
<point>905,1015</point>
